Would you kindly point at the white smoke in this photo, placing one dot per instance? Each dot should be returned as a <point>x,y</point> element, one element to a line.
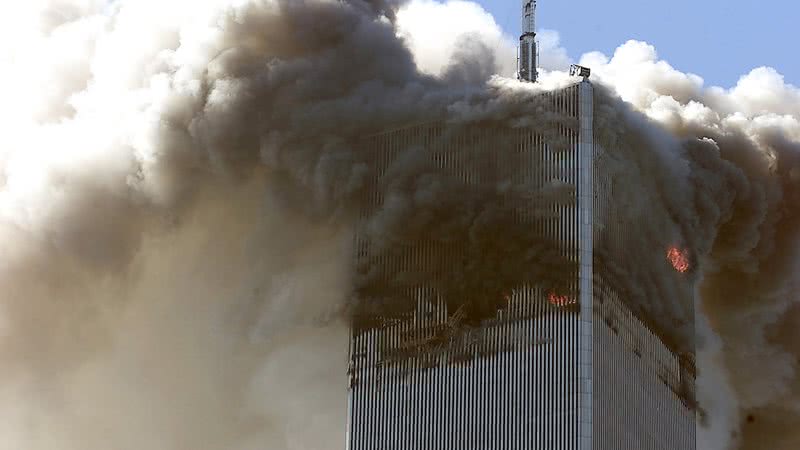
<point>147,301</point>
<point>653,86</point>
<point>435,31</point>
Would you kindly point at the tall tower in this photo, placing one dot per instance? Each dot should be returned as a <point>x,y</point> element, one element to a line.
<point>527,43</point>
<point>446,357</point>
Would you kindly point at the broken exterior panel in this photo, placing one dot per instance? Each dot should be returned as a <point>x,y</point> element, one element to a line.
<point>449,350</point>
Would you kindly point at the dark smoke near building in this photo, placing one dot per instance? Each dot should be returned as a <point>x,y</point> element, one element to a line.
<point>179,184</point>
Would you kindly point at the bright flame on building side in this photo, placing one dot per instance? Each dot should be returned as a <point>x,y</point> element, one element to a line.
<point>560,300</point>
<point>679,259</point>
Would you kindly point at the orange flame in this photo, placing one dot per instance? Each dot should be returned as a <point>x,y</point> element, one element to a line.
<point>678,259</point>
<point>560,300</point>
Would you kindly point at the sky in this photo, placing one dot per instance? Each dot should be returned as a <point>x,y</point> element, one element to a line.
<point>718,40</point>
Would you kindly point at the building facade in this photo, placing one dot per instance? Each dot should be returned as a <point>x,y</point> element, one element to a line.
<point>551,359</point>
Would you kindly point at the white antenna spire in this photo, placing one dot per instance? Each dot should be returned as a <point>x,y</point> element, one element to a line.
<point>527,43</point>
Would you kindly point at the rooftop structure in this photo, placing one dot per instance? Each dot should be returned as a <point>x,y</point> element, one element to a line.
<point>528,53</point>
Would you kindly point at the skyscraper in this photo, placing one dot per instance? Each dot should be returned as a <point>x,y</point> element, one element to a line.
<point>554,359</point>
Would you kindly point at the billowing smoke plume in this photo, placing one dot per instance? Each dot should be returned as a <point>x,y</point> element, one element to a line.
<point>177,182</point>
<point>172,274</point>
<point>178,185</point>
<point>732,185</point>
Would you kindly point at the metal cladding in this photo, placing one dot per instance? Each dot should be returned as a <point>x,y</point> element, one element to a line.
<point>528,54</point>
<point>544,365</point>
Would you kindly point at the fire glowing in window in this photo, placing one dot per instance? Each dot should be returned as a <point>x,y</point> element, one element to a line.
<point>560,300</point>
<point>679,259</point>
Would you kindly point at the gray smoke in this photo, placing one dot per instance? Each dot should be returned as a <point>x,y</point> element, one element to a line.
<point>729,181</point>
<point>179,183</point>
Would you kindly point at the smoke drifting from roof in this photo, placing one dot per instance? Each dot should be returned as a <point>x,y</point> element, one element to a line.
<point>177,183</point>
<point>733,190</point>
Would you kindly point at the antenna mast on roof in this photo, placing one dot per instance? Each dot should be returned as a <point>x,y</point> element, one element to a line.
<point>527,43</point>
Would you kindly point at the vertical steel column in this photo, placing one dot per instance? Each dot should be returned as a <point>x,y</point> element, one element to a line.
<point>585,274</point>
<point>351,373</point>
